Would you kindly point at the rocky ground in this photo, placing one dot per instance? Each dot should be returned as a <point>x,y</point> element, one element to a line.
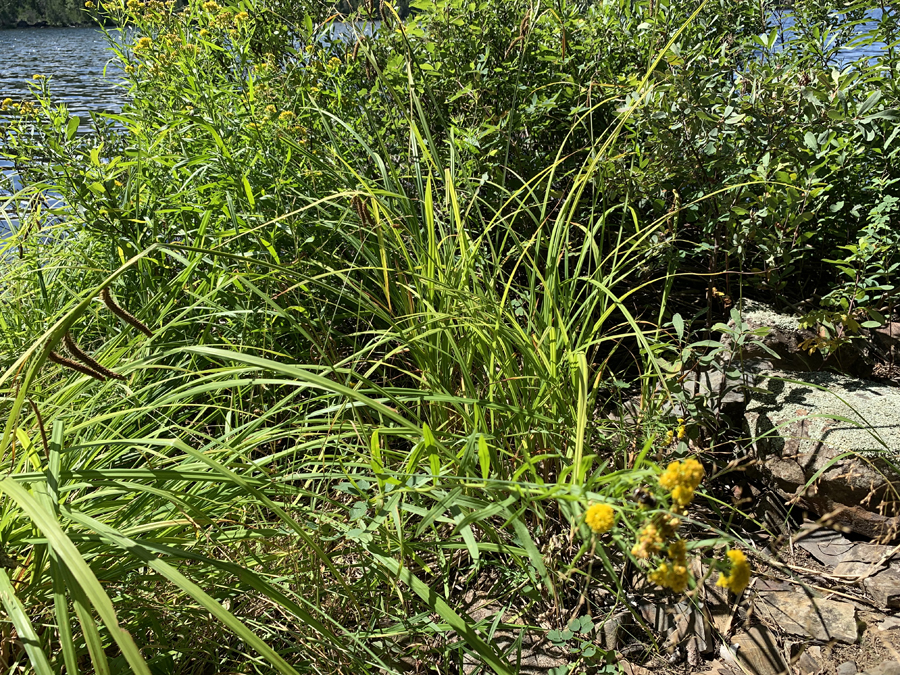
<point>818,478</point>
<point>822,434</point>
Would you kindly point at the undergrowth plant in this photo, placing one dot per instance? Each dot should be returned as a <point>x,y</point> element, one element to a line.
<point>307,370</point>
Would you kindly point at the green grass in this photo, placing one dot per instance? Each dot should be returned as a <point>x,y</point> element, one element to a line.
<point>375,385</point>
<point>430,429</point>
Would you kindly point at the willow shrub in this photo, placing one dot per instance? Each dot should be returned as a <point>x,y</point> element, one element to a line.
<point>375,380</point>
<point>772,153</point>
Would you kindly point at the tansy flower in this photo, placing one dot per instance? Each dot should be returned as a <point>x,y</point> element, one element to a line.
<point>600,518</point>
<point>286,115</point>
<point>739,577</point>
<point>671,576</point>
<point>673,573</point>
<point>5,103</point>
<point>210,6</point>
<point>89,4</point>
<point>143,43</point>
<point>681,479</point>
<point>241,16</point>
<point>38,77</point>
<point>650,541</point>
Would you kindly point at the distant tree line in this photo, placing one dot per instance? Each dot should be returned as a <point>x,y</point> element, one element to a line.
<point>24,13</point>
<point>21,13</point>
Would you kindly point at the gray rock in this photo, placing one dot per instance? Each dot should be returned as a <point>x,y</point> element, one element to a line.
<point>817,618</point>
<point>884,588</point>
<point>857,571</point>
<point>633,669</point>
<point>871,553</point>
<point>826,546</point>
<point>718,606</point>
<point>682,624</point>
<point>614,628</point>
<point>756,651</point>
<point>817,459</point>
<point>847,668</point>
<point>718,390</point>
<point>784,338</point>
<point>810,661</point>
<point>887,339</point>
<point>832,548</point>
<point>889,623</point>
<point>719,667</point>
<point>886,668</point>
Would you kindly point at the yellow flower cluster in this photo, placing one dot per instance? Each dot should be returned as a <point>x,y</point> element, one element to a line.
<point>89,4</point>
<point>210,6</point>
<point>240,17</point>
<point>681,432</point>
<point>650,541</point>
<point>600,518</point>
<point>143,43</point>
<point>682,479</point>
<point>673,573</point>
<point>654,535</point>
<point>286,116</point>
<point>739,577</point>
<point>6,103</point>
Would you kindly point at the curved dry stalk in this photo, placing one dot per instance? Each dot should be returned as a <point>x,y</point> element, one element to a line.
<point>87,359</point>
<point>123,314</point>
<point>53,357</point>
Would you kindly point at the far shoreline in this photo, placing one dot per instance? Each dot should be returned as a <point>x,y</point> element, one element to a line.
<point>21,25</point>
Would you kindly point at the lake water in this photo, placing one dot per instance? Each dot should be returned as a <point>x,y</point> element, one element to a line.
<point>785,24</point>
<point>84,78</point>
